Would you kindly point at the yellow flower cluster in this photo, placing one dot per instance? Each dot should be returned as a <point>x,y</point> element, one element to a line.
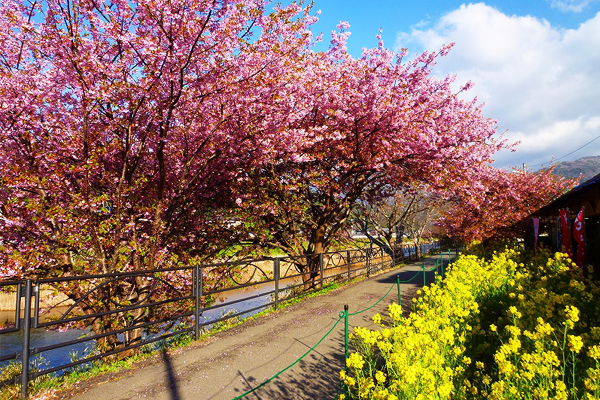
<point>516,325</point>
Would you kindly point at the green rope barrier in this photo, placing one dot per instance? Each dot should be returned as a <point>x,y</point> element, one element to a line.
<point>408,281</point>
<point>294,363</point>
<point>344,314</point>
<point>377,302</point>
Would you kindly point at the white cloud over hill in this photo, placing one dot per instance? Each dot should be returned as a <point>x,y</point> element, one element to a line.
<point>541,82</point>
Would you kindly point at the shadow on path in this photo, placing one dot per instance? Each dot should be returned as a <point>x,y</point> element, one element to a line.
<point>314,377</point>
<point>171,379</point>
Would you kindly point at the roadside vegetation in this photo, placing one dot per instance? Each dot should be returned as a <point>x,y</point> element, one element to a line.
<point>507,325</point>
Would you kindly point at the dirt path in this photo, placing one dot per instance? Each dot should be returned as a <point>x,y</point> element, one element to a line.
<point>233,362</point>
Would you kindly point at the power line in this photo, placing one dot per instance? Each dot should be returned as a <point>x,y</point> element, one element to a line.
<point>566,155</point>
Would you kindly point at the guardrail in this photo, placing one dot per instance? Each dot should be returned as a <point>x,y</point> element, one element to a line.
<point>182,311</point>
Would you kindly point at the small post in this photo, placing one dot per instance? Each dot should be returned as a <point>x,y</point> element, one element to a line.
<point>349,265</point>
<point>196,273</point>
<point>36,306</point>
<point>321,268</point>
<point>443,273</point>
<point>398,283</point>
<point>18,306</point>
<point>345,336</point>
<point>424,278</point>
<point>26,337</point>
<point>277,272</point>
<point>200,293</point>
<point>437,268</point>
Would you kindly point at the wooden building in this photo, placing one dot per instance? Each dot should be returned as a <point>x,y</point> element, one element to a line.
<point>587,195</point>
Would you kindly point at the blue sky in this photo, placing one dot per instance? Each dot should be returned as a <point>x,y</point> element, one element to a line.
<point>535,63</point>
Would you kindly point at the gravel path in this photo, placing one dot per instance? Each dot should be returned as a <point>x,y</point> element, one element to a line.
<point>230,363</point>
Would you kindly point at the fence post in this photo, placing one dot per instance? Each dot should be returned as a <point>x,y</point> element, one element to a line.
<point>197,302</point>
<point>200,293</point>
<point>398,283</point>
<point>345,336</point>
<point>26,337</point>
<point>321,268</point>
<point>36,305</point>
<point>443,273</point>
<point>18,306</point>
<point>424,278</point>
<point>276,272</point>
<point>349,264</point>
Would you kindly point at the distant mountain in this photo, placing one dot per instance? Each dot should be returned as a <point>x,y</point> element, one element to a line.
<point>588,166</point>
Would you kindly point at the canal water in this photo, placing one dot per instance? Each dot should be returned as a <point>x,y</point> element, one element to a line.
<point>13,342</point>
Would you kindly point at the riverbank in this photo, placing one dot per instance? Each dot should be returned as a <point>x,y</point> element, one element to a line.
<point>48,297</point>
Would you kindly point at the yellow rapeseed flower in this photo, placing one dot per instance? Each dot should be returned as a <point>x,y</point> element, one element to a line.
<point>355,361</point>
<point>572,313</point>
<point>594,352</point>
<point>575,343</point>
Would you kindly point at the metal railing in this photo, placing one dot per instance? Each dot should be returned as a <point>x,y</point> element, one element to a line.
<point>184,308</point>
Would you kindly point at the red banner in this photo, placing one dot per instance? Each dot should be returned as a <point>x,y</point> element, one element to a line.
<point>579,237</point>
<point>566,232</point>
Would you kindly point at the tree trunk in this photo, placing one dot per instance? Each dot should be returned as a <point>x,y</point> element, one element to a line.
<point>311,269</point>
<point>110,298</point>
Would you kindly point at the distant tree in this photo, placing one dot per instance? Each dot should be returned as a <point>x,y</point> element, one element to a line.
<point>505,199</point>
<point>407,213</point>
<point>419,224</point>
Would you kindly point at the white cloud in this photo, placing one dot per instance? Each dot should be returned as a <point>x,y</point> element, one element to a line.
<point>576,6</point>
<point>540,82</point>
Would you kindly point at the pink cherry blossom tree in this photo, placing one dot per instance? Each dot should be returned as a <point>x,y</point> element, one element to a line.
<point>376,124</point>
<point>122,125</point>
<point>507,197</point>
